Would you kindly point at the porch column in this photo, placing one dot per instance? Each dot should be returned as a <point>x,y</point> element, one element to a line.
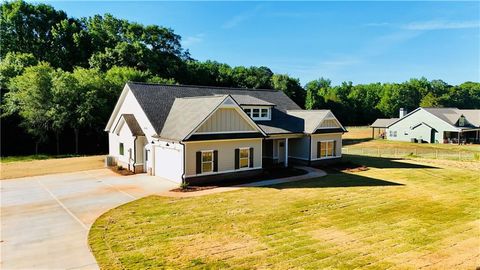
<point>286,152</point>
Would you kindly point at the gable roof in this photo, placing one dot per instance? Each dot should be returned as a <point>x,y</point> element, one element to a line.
<point>156,100</point>
<point>313,118</point>
<point>383,122</point>
<point>449,115</point>
<point>132,124</point>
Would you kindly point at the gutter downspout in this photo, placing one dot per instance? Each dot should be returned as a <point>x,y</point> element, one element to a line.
<point>134,152</point>
<point>184,159</point>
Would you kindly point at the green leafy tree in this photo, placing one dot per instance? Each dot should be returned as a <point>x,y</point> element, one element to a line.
<point>290,86</point>
<point>31,98</point>
<point>12,65</point>
<point>316,92</point>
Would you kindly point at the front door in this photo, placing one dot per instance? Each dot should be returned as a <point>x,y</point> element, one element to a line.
<point>281,151</point>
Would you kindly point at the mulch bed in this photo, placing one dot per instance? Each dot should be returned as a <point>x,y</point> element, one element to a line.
<point>121,171</point>
<point>267,174</point>
<point>344,167</point>
<point>193,188</point>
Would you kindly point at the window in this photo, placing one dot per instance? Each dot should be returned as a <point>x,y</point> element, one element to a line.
<point>461,121</point>
<point>264,113</point>
<point>207,161</point>
<point>395,133</point>
<point>255,113</point>
<point>121,149</point>
<point>244,157</point>
<point>258,113</point>
<point>326,149</point>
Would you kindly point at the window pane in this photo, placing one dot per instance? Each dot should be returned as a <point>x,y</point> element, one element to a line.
<point>244,153</point>
<point>207,167</point>
<point>248,111</point>
<point>206,156</point>
<point>243,162</point>
<point>264,113</point>
<point>256,113</point>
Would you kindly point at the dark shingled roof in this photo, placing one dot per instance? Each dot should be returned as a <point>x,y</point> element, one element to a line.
<point>156,101</point>
<point>133,125</point>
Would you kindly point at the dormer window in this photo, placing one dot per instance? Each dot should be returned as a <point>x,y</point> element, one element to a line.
<point>461,121</point>
<point>258,113</point>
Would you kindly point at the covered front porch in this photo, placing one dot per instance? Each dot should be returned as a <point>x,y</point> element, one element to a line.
<point>470,136</point>
<point>278,151</point>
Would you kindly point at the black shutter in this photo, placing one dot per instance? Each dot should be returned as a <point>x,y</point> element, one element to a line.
<point>251,157</point>
<point>215,160</point>
<point>199,162</point>
<point>319,149</point>
<point>237,159</point>
<point>334,148</point>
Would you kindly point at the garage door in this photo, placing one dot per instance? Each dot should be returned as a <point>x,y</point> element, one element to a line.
<point>169,163</point>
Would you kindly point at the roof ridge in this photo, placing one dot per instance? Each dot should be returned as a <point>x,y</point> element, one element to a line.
<point>212,96</point>
<point>204,86</point>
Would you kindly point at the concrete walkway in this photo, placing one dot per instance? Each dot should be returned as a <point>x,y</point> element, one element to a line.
<point>45,219</point>
<point>311,173</point>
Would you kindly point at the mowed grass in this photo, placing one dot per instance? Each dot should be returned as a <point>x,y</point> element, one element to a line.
<point>26,167</point>
<point>398,215</point>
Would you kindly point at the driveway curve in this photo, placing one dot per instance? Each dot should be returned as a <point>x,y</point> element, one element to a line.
<point>45,219</point>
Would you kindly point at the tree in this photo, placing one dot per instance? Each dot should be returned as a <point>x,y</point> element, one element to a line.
<point>31,98</point>
<point>12,65</point>
<point>316,92</point>
<point>290,86</point>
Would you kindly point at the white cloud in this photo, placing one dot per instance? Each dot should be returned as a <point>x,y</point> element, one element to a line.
<point>238,19</point>
<point>192,40</point>
<point>441,25</point>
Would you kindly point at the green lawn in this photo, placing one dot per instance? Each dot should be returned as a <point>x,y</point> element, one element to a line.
<point>398,215</point>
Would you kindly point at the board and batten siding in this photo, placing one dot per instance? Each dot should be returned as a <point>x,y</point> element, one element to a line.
<point>226,153</point>
<point>225,120</point>
<point>326,137</point>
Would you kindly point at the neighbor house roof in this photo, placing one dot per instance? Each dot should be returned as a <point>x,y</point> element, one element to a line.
<point>133,125</point>
<point>383,122</point>
<point>157,101</point>
<point>450,115</point>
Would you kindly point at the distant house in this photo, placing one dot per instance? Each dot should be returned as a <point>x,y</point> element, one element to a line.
<point>199,134</point>
<point>436,125</point>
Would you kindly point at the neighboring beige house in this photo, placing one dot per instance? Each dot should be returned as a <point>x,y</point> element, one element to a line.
<point>199,134</point>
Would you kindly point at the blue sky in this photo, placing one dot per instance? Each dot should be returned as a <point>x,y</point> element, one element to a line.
<point>360,42</point>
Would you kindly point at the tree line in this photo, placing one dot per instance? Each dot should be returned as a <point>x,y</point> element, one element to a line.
<point>60,77</point>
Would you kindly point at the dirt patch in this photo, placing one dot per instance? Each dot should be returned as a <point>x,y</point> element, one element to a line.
<point>49,166</point>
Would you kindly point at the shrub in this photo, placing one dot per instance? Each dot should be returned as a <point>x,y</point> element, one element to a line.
<point>184,185</point>
<point>119,167</point>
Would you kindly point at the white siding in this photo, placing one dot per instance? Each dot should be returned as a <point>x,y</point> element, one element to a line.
<point>168,161</point>
<point>404,132</point>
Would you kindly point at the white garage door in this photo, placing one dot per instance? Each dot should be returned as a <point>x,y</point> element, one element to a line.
<point>169,163</point>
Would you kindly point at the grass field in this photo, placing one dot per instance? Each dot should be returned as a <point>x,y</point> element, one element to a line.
<point>29,166</point>
<point>358,141</point>
<point>397,214</point>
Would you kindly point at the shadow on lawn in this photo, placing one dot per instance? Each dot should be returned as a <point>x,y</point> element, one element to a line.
<point>355,141</point>
<point>382,163</point>
<point>338,178</point>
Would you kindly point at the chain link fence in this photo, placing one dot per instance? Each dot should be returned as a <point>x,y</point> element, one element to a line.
<point>415,152</point>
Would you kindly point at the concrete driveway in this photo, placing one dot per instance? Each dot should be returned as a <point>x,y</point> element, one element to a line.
<point>45,219</point>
